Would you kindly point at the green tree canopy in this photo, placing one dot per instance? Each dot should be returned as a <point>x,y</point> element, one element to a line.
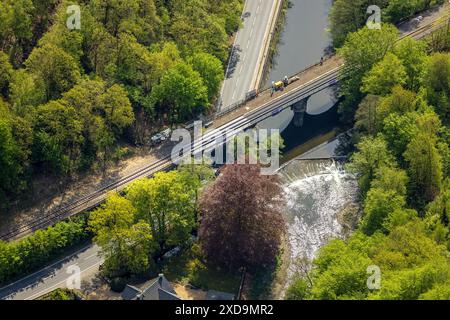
<point>413,55</point>
<point>58,70</point>
<point>182,91</point>
<point>57,136</point>
<point>361,51</point>
<point>437,79</point>
<point>384,75</point>
<point>425,168</point>
<point>379,204</point>
<point>11,159</point>
<point>6,71</point>
<point>211,70</point>
<point>125,241</point>
<point>372,154</point>
<point>167,203</point>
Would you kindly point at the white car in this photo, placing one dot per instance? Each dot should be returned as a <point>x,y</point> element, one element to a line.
<point>417,20</point>
<point>162,136</point>
<point>156,139</point>
<point>166,134</point>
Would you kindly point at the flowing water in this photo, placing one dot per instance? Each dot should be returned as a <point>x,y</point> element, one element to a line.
<point>316,192</point>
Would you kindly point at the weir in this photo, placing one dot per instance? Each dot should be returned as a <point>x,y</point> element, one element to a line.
<point>319,194</point>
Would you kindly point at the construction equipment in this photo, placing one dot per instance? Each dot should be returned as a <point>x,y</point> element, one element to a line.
<point>279,85</point>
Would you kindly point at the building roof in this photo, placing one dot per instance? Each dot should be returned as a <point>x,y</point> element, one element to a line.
<point>131,293</point>
<point>159,289</point>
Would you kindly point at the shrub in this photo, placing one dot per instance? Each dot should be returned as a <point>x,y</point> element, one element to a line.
<point>118,284</point>
<point>20,257</point>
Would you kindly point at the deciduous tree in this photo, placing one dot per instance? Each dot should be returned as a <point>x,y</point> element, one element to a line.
<point>384,75</point>
<point>361,51</point>
<point>125,241</point>
<point>181,92</point>
<point>241,220</point>
<point>167,203</point>
<point>425,168</point>
<point>372,154</point>
<point>56,68</point>
<point>211,70</point>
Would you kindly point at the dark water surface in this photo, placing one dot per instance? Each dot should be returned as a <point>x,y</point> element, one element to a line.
<point>304,40</point>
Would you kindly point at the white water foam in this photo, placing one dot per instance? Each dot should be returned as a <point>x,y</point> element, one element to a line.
<point>313,204</point>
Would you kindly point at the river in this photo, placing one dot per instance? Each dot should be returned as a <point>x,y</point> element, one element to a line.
<point>316,191</point>
<point>303,42</point>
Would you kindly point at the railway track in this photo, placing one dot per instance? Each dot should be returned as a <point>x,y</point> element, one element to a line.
<point>232,128</point>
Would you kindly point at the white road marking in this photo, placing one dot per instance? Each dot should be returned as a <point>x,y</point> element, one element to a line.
<point>47,290</point>
<point>91,256</point>
<point>47,267</point>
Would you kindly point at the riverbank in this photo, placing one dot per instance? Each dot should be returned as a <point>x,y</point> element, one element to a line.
<point>321,204</point>
<point>302,40</point>
<point>249,52</point>
<point>271,50</point>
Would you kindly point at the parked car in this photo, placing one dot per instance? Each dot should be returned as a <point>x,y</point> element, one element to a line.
<point>160,137</point>
<point>416,21</point>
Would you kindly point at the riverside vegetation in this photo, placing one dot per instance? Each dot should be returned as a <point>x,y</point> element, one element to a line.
<point>67,97</point>
<point>398,100</point>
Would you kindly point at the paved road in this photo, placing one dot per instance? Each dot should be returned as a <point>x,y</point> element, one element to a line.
<point>248,51</point>
<point>87,259</point>
<point>54,276</point>
<point>93,199</point>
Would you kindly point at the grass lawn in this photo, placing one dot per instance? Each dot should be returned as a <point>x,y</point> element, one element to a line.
<point>187,267</point>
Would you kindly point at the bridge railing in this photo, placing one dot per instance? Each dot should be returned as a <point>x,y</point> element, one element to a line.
<point>444,20</point>
<point>325,58</point>
<point>254,94</point>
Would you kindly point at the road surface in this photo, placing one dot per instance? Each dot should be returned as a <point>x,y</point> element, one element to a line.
<point>248,51</point>
<point>239,119</point>
<point>54,276</point>
<point>88,260</point>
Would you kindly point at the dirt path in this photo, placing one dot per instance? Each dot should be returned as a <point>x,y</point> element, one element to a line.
<point>49,193</point>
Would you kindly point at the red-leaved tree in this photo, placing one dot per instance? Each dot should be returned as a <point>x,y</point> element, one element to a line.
<point>241,220</point>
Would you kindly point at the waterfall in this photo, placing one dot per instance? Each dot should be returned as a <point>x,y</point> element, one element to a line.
<point>316,191</point>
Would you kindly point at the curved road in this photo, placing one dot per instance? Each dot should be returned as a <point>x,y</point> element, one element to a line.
<point>87,259</point>
<point>54,276</point>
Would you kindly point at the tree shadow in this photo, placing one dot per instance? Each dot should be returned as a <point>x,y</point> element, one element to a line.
<point>33,280</point>
<point>235,57</point>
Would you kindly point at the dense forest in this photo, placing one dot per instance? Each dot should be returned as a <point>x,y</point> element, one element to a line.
<point>348,16</point>
<point>398,98</point>
<point>67,96</point>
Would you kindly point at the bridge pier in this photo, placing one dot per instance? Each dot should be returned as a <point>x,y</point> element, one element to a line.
<point>299,109</point>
